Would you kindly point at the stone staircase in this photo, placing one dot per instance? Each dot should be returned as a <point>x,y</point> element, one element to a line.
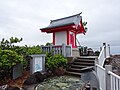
<point>80,64</point>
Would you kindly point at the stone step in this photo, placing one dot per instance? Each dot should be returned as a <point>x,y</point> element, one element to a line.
<point>87,57</point>
<point>74,70</point>
<point>84,60</point>
<point>84,64</point>
<point>80,70</point>
<point>78,66</point>
<point>87,62</point>
<point>73,73</point>
<point>81,64</point>
<point>87,68</point>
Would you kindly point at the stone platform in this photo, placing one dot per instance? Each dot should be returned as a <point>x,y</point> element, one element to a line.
<point>61,83</point>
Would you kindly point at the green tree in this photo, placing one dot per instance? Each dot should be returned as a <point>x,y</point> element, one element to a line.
<point>9,44</point>
<point>48,44</point>
<point>85,26</point>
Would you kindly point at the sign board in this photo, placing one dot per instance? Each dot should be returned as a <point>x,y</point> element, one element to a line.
<point>37,63</point>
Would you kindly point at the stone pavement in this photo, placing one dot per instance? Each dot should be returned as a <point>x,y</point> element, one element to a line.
<point>61,83</point>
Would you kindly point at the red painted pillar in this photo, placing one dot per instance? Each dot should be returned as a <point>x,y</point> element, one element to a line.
<point>68,37</point>
<point>53,38</point>
<point>75,40</point>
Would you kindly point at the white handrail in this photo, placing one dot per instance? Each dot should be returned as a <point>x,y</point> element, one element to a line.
<point>105,53</point>
<point>101,77</point>
<point>114,81</point>
<point>113,74</point>
<point>100,67</point>
<point>107,79</point>
<point>101,57</point>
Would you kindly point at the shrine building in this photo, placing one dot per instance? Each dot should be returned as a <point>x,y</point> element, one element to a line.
<point>65,29</point>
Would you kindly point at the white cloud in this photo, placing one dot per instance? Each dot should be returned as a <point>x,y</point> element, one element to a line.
<point>24,18</point>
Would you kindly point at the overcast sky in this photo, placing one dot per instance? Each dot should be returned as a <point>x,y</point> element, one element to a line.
<point>24,18</point>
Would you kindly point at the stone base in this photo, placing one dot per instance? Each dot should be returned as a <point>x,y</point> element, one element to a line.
<point>70,59</point>
<point>75,52</point>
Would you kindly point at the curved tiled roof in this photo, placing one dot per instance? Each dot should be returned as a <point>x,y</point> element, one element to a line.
<point>74,19</point>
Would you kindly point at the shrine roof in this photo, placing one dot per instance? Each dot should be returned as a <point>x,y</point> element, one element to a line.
<point>74,19</point>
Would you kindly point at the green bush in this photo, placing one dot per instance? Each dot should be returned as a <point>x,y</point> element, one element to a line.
<point>56,61</point>
<point>24,51</point>
<point>10,55</point>
<point>8,59</point>
<point>34,50</point>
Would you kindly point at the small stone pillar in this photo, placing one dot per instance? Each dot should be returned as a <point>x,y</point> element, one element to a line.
<point>37,63</point>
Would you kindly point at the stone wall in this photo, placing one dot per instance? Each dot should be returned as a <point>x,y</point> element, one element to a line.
<point>75,52</point>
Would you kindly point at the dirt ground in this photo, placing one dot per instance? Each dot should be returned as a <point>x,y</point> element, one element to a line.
<point>17,82</point>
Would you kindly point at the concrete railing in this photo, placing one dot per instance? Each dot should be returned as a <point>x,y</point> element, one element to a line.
<point>65,50</point>
<point>107,79</point>
<point>104,53</point>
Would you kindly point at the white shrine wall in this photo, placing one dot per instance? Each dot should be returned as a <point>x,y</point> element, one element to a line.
<point>60,38</point>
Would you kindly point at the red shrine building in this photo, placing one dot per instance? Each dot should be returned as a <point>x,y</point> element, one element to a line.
<point>65,30</point>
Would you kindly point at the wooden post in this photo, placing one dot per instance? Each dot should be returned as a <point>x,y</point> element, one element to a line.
<point>108,81</point>
<point>63,50</point>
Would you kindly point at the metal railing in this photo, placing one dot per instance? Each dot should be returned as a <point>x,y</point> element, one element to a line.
<point>65,50</point>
